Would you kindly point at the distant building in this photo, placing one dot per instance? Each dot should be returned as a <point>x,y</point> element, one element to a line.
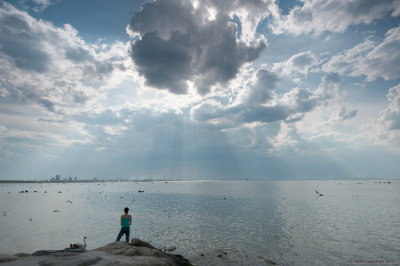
<point>58,177</point>
<point>75,178</point>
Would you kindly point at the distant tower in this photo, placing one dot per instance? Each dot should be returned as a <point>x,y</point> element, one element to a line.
<point>58,177</point>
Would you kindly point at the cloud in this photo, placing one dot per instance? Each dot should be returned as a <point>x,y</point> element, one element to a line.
<point>287,139</point>
<point>370,59</point>
<point>261,90</point>
<point>51,66</point>
<point>179,44</point>
<point>48,75</point>
<point>41,4</point>
<point>298,63</point>
<point>319,16</point>
<point>391,115</point>
<point>347,60</point>
<point>248,12</point>
<point>35,5</point>
<point>259,104</point>
<point>342,114</point>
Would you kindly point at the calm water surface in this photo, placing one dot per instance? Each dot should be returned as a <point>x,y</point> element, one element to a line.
<point>247,222</point>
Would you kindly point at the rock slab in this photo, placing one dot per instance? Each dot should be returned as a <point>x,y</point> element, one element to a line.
<point>137,253</point>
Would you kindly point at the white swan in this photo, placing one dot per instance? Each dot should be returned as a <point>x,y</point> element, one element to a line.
<point>82,245</point>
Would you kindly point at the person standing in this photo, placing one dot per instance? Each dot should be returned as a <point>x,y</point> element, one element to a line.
<point>126,221</point>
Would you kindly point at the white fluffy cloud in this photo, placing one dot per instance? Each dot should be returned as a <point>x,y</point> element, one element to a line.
<point>50,66</point>
<point>391,115</point>
<point>342,114</point>
<point>370,59</point>
<point>54,74</point>
<point>318,16</point>
<point>298,63</point>
<point>261,105</point>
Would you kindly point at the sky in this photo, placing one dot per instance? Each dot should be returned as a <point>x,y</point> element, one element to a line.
<point>200,89</point>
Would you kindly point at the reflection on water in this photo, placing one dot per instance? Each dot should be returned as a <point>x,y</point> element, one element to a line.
<point>245,222</point>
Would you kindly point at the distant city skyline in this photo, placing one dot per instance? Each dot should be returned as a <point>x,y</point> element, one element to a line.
<point>187,89</point>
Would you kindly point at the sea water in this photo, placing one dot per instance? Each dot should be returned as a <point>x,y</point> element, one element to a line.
<point>214,222</point>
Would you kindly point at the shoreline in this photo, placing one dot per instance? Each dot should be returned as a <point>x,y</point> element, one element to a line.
<point>137,252</point>
<point>11,181</point>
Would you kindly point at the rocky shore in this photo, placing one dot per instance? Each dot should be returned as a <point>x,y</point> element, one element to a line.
<point>136,253</point>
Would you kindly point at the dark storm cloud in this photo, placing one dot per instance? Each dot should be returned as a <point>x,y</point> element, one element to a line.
<point>178,44</point>
<point>164,63</point>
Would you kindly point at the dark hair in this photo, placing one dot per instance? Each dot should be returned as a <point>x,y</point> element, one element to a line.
<point>126,210</point>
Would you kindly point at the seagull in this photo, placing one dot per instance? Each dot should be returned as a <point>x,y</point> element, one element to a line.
<point>69,201</point>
